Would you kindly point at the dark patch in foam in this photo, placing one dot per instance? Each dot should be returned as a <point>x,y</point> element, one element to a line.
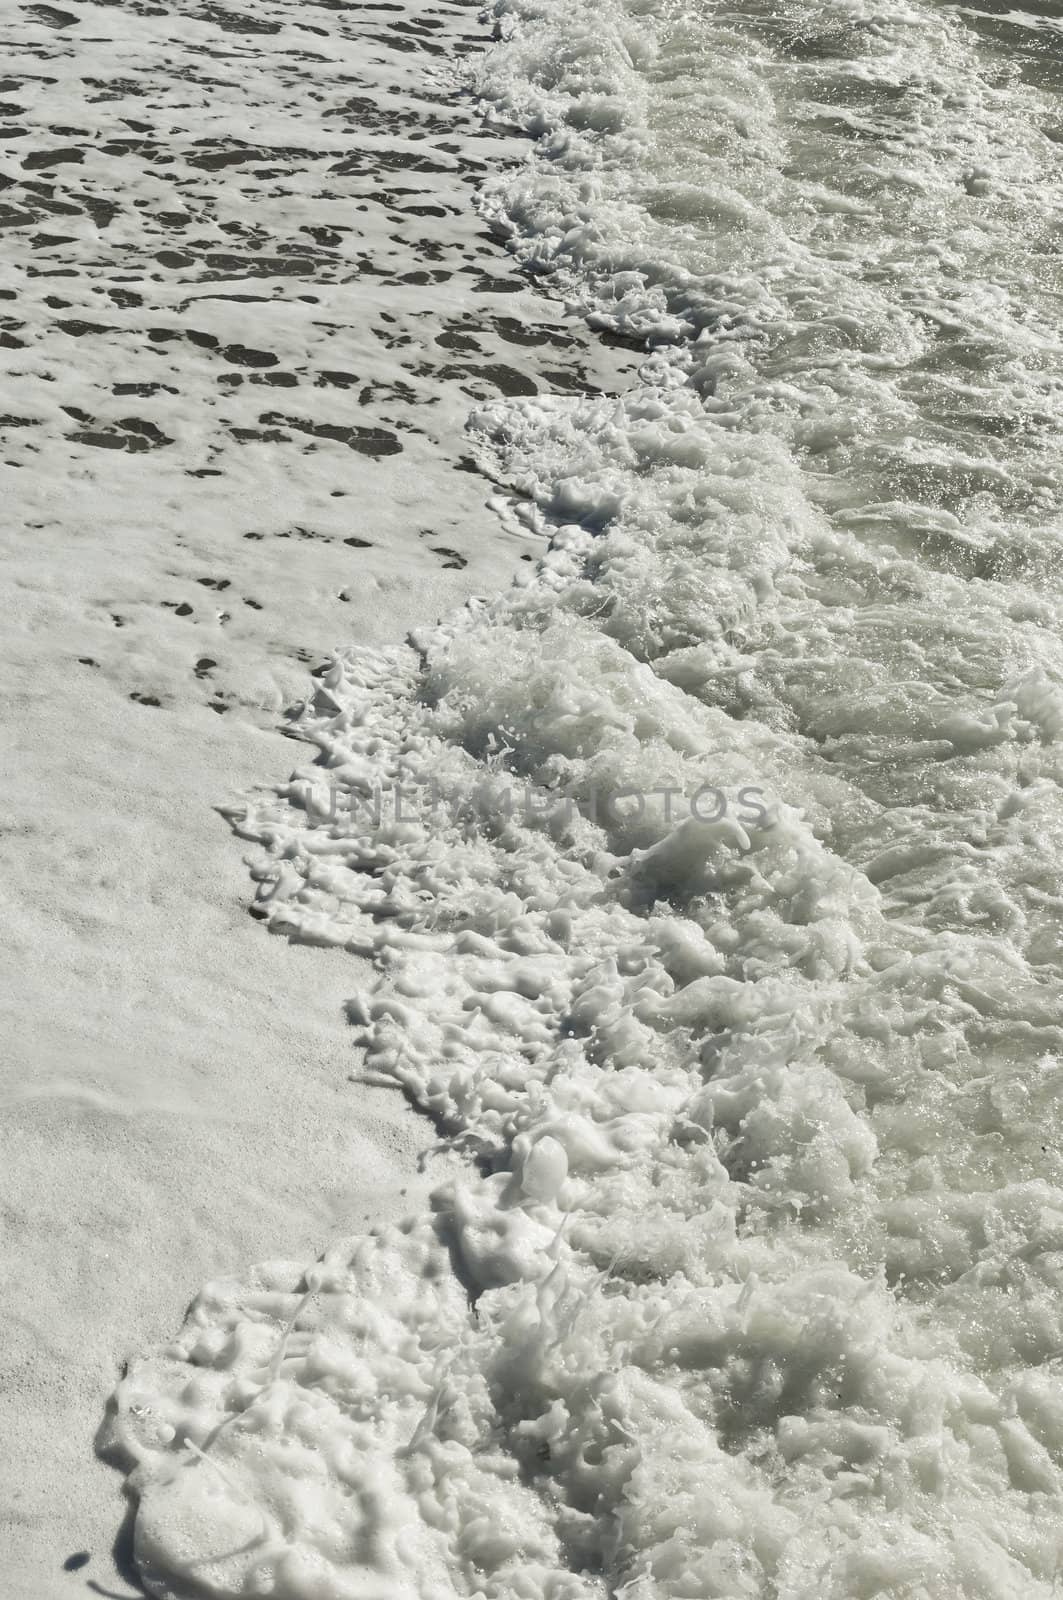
<point>51,16</point>
<point>133,435</point>
<point>367,441</point>
<point>260,436</point>
<point>240,355</point>
<point>236,22</point>
<point>38,160</point>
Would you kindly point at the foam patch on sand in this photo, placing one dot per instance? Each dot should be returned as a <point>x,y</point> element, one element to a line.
<point>245,305</point>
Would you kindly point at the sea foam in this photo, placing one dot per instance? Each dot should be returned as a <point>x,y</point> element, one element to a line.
<point>744,1276</point>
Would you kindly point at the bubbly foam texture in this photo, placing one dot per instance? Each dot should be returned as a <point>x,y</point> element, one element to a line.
<point>752,1287</point>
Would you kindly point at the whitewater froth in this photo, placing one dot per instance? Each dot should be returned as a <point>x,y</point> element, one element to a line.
<point>752,1284</point>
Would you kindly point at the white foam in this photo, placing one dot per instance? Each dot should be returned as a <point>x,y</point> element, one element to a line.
<point>754,1287</point>
<point>167,576</point>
